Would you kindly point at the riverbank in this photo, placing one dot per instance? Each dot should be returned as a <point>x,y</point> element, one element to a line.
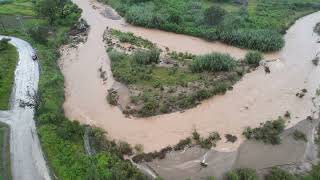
<point>251,154</point>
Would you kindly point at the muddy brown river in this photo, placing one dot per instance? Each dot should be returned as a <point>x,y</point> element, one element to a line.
<point>258,97</point>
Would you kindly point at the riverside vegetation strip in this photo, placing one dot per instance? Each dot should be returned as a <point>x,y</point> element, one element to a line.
<point>252,24</point>
<point>62,139</point>
<point>161,81</point>
<point>5,169</point>
<point>8,61</point>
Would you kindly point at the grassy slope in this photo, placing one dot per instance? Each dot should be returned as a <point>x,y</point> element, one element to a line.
<point>5,171</point>
<point>8,61</point>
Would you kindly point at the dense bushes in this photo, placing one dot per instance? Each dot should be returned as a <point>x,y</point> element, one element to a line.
<point>146,56</point>
<point>112,97</point>
<point>277,173</point>
<point>214,15</point>
<point>127,37</point>
<point>269,132</point>
<point>262,40</point>
<point>213,62</point>
<point>253,58</point>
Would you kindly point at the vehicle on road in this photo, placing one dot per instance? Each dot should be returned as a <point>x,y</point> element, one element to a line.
<point>34,55</point>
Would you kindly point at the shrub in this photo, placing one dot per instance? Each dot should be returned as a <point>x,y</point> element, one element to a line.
<point>256,39</point>
<point>211,141</point>
<point>213,62</point>
<point>298,135</point>
<point>231,138</point>
<point>195,136</point>
<point>4,43</point>
<point>139,148</point>
<point>125,148</point>
<point>253,58</point>
<point>242,174</point>
<point>112,97</point>
<point>149,108</point>
<point>146,57</point>
<point>214,15</point>
<point>268,132</point>
<point>39,34</point>
<point>277,174</point>
<point>182,144</point>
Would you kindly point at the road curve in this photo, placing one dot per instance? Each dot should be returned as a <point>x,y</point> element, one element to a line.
<point>27,158</point>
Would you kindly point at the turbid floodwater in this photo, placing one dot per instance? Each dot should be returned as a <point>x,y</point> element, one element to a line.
<point>258,97</point>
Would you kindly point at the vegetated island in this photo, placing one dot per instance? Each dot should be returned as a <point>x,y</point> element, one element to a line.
<point>162,81</point>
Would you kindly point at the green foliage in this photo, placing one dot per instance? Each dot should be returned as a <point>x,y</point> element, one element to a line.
<point>231,138</point>
<point>214,15</point>
<point>277,173</point>
<point>62,139</point>
<point>213,62</point>
<point>253,58</point>
<point>5,169</point>
<point>298,135</point>
<point>57,11</point>
<point>4,44</point>
<point>39,34</point>
<point>112,97</point>
<point>269,132</point>
<point>256,39</point>
<point>257,26</point>
<point>146,57</point>
<point>211,141</point>
<point>242,174</point>
<point>8,61</point>
<point>127,37</point>
<point>182,144</point>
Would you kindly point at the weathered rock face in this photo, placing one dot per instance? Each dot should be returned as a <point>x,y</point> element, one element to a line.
<point>242,2</point>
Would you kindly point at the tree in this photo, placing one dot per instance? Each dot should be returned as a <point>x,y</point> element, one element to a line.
<point>48,9</point>
<point>214,15</point>
<point>4,43</point>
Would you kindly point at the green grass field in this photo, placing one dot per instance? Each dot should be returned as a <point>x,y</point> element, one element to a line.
<point>8,61</point>
<point>5,169</point>
<point>17,7</point>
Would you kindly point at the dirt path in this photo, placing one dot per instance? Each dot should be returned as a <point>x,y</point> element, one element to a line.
<point>26,155</point>
<point>256,98</point>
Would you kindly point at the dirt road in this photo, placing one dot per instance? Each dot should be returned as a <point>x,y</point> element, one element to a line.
<point>26,155</point>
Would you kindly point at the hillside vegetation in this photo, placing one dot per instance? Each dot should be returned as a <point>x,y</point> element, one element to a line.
<point>257,25</point>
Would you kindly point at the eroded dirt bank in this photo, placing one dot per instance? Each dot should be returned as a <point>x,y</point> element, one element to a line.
<point>256,98</point>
